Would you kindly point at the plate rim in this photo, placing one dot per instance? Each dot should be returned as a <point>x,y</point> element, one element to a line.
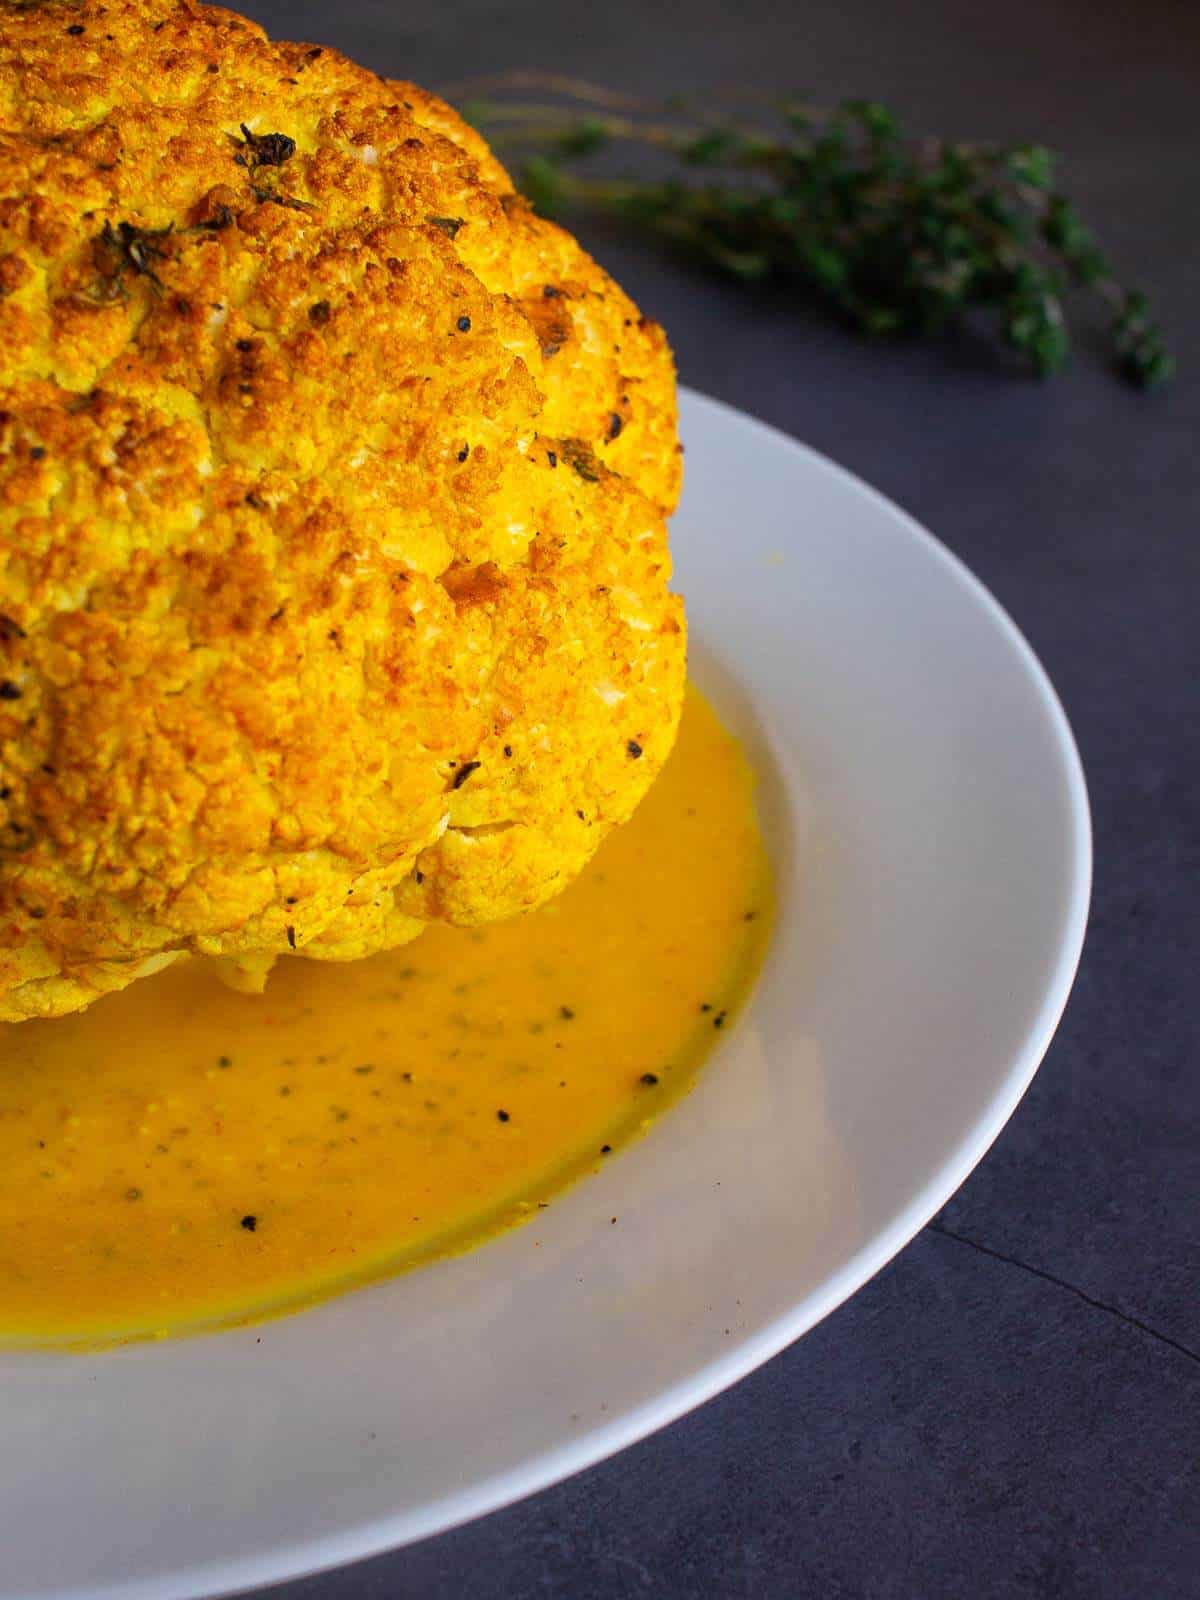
<point>216,1578</point>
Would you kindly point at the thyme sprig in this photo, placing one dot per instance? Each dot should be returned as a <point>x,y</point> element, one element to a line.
<point>896,235</point>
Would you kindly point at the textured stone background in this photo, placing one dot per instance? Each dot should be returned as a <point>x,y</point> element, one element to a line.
<point>1012,1408</point>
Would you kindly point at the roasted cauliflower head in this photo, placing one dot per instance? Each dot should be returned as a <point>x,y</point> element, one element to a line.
<point>333,569</point>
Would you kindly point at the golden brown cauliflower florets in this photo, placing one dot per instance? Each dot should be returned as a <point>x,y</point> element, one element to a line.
<point>333,570</point>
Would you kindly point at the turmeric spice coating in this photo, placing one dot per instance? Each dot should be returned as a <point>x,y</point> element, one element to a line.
<point>333,485</point>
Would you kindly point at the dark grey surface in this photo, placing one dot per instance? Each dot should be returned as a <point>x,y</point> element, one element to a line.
<point>967,1426</point>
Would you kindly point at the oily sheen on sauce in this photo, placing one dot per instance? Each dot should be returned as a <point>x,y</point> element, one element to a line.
<point>181,1156</point>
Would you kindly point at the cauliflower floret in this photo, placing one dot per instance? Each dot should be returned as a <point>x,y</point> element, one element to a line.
<point>333,566</point>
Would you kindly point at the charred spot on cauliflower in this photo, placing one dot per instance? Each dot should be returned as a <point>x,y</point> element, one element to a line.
<point>302,643</point>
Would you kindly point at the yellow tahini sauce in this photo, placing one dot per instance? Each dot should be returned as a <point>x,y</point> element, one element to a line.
<point>181,1156</point>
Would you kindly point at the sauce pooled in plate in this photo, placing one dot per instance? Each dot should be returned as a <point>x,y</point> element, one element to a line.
<point>181,1156</point>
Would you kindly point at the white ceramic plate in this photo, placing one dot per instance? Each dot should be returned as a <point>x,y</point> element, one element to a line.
<point>927,814</point>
